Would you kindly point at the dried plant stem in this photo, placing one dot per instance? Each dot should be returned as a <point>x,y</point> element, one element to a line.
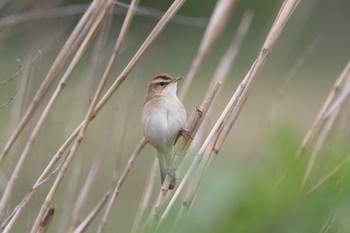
<point>46,220</point>
<point>121,37</point>
<point>61,85</point>
<point>73,40</point>
<point>77,9</point>
<point>150,39</point>
<point>12,96</point>
<point>91,178</point>
<point>218,134</point>
<point>292,72</point>
<point>218,21</point>
<point>320,119</point>
<point>120,183</point>
<point>80,137</point>
<point>87,221</point>
<point>327,116</point>
<point>42,13</point>
<point>330,174</point>
<point>220,75</point>
<point>182,144</point>
<point>146,197</point>
<point>155,32</point>
<point>229,57</point>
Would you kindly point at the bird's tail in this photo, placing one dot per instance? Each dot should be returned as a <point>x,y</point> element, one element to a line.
<point>166,168</point>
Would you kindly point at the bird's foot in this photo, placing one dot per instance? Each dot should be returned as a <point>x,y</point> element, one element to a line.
<point>171,172</point>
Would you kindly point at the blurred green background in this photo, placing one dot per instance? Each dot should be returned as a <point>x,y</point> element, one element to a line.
<point>249,164</point>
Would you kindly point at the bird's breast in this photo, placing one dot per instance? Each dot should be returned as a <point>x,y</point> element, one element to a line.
<point>162,122</point>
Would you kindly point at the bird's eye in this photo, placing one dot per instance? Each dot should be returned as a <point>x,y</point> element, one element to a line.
<point>162,84</point>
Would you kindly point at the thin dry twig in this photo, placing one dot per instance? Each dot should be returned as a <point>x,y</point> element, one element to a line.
<point>88,220</point>
<point>219,19</point>
<point>220,75</point>
<point>44,224</point>
<point>177,19</point>
<point>292,72</point>
<point>146,197</point>
<point>12,96</point>
<point>120,183</point>
<point>218,134</point>
<point>61,85</point>
<point>149,40</point>
<point>73,41</point>
<point>77,9</point>
<point>81,134</point>
<point>93,172</point>
<point>330,174</point>
<point>328,114</point>
<point>320,121</point>
<point>192,126</point>
<point>158,28</point>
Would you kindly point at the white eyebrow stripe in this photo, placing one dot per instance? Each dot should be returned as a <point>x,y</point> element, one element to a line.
<point>159,79</point>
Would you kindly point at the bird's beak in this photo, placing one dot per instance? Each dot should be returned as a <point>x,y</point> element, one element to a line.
<point>177,79</point>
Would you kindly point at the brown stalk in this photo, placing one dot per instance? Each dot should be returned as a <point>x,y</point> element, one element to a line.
<point>150,39</point>
<point>220,75</point>
<point>79,139</point>
<point>44,224</point>
<point>82,197</point>
<point>146,197</point>
<point>219,19</point>
<point>88,220</point>
<point>120,183</point>
<point>328,114</point>
<point>319,121</point>
<point>182,144</point>
<point>8,190</point>
<point>215,140</point>
<point>73,41</point>
<point>292,72</point>
<point>155,32</point>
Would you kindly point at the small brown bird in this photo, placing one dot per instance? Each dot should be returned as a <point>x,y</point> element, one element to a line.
<point>163,118</point>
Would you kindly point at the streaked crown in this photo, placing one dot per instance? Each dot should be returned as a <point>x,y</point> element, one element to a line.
<point>160,82</point>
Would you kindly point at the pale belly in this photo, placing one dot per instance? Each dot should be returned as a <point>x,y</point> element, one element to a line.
<point>161,128</point>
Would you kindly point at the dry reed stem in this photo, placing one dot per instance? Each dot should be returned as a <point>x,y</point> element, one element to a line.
<point>61,85</point>
<point>93,172</point>
<point>25,73</point>
<point>23,17</point>
<point>158,28</point>
<point>120,183</point>
<point>220,75</point>
<point>229,57</point>
<point>12,96</point>
<point>192,126</point>
<point>44,224</point>
<point>87,186</point>
<point>146,197</point>
<point>292,72</point>
<point>76,9</point>
<point>82,131</point>
<point>219,19</point>
<point>73,40</point>
<point>91,177</point>
<point>123,131</point>
<point>88,220</point>
<point>326,118</point>
<point>150,39</point>
<point>330,174</point>
<point>329,222</point>
<point>320,121</point>
<point>216,138</point>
